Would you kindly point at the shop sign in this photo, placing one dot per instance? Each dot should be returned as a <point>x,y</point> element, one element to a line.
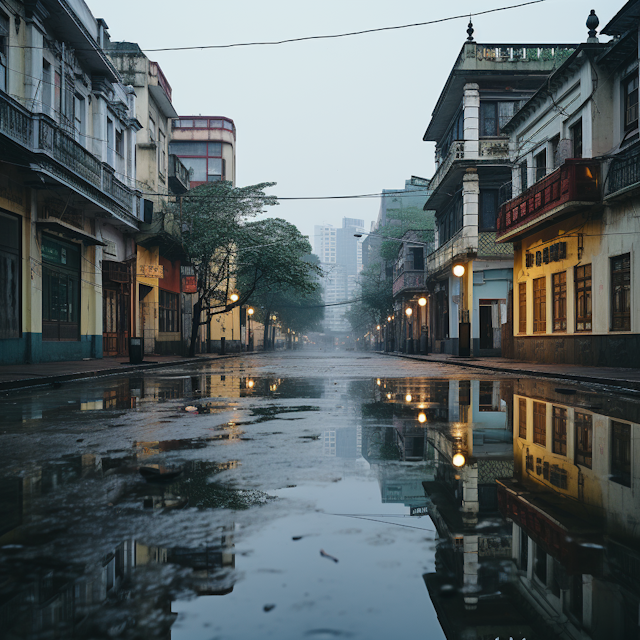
<point>189,284</point>
<point>151,271</point>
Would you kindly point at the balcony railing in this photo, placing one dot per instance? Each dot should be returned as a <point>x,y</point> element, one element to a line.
<point>624,173</point>
<point>408,280</point>
<point>178,175</point>
<point>455,152</point>
<point>576,182</point>
<point>38,134</point>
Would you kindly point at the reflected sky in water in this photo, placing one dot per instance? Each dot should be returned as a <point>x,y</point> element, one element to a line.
<point>214,503</point>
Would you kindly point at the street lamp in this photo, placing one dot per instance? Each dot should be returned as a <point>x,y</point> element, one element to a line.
<point>424,331</point>
<point>458,460</point>
<point>464,326</point>
<point>422,301</point>
<point>422,417</point>
<point>409,349</point>
<point>234,297</point>
<point>250,312</point>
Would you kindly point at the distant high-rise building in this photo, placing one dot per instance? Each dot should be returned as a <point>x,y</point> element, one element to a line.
<point>340,254</point>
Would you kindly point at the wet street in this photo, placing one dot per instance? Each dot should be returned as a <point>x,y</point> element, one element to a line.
<point>319,495</point>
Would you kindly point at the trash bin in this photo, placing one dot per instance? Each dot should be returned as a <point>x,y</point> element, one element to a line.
<point>136,350</point>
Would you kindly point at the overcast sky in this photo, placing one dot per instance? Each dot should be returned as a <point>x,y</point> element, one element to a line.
<point>328,117</point>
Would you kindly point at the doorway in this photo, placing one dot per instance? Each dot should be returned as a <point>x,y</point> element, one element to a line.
<point>486,327</point>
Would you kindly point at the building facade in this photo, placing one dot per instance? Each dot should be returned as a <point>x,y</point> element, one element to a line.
<point>68,200</point>
<point>575,150</point>
<point>485,88</point>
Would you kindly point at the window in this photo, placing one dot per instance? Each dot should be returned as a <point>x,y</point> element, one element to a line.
<point>524,183</point>
<point>119,143</point>
<point>540,305</point>
<point>46,87</point>
<point>559,301</point>
<point>485,396</point>
<point>60,290</point>
<point>450,222</point>
<point>506,110</point>
<point>417,258</point>
<point>540,161</point>
<point>621,453</point>
<point>488,118</point>
<point>575,131</point>
<point>168,307</point>
<point>488,209</point>
<point>555,142</point>
<point>152,129</point>
<point>559,431</point>
<point>522,418</point>
<point>188,148</point>
<point>162,155</point>
<point>200,124</point>
<point>197,168</point>
<point>621,293</point>
<point>582,277</point>
<point>522,307</point>
<point>540,423</point>
<point>79,118</point>
<point>10,271</point>
<point>4,50</point>
<point>540,566</point>
<point>630,86</point>
<point>584,439</point>
<point>57,82</point>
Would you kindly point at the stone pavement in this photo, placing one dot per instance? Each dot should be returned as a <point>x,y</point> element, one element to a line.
<point>628,379</point>
<point>29,375</point>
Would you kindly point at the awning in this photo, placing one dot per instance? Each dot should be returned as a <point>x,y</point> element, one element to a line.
<point>64,229</point>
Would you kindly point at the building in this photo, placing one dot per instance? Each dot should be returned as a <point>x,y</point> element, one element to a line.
<point>68,201</point>
<point>572,218</point>
<point>485,88</point>
<point>157,297</point>
<point>340,254</point>
<point>207,147</point>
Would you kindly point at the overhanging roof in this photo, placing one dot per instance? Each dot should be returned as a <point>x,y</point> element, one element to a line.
<point>626,19</point>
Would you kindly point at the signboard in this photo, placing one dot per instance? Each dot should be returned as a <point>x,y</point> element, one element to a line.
<point>189,284</point>
<point>150,271</point>
<point>419,511</point>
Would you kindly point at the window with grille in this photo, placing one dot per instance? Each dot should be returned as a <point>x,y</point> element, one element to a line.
<point>168,312</point>
<point>540,423</point>
<point>575,132</point>
<point>621,293</point>
<point>631,102</point>
<point>560,431</point>
<point>524,182</point>
<point>621,453</point>
<point>540,161</point>
<point>10,272</point>
<point>522,418</point>
<point>584,439</point>
<point>582,277</point>
<point>559,301</point>
<point>540,305</point>
<point>522,307</point>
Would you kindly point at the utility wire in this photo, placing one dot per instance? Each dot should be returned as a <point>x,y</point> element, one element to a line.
<point>305,38</point>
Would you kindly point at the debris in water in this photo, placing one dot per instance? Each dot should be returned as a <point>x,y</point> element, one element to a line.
<point>268,607</point>
<point>326,555</point>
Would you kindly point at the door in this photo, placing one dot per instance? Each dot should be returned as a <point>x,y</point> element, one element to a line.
<point>486,330</point>
<point>115,321</point>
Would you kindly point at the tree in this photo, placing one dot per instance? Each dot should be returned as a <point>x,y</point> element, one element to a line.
<point>212,217</point>
<point>375,299</point>
<point>279,273</point>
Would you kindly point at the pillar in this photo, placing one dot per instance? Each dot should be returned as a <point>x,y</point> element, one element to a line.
<point>471,108</point>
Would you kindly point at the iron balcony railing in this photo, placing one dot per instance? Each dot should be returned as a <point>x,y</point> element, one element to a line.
<point>178,174</point>
<point>624,172</point>
<point>577,180</point>
<point>408,280</point>
<point>41,135</point>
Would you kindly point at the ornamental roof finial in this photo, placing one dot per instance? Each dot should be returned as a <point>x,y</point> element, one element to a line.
<point>470,31</point>
<point>592,25</point>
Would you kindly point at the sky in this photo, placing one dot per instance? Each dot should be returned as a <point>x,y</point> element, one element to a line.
<point>328,117</point>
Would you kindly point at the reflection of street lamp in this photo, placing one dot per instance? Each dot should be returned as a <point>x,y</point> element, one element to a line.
<point>422,417</point>
<point>250,384</point>
<point>408,397</point>
<point>464,326</point>
<point>424,331</point>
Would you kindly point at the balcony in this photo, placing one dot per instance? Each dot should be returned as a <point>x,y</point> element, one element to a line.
<point>623,177</point>
<point>574,185</point>
<point>66,160</point>
<point>178,175</point>
<point>163,231</point>
<point>474,152</point>
<point>408,280</point>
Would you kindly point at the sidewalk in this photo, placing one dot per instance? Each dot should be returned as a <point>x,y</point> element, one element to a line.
<point>30,375</point>
<point>628,379</point>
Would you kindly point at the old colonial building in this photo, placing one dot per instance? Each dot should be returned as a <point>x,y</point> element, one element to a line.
<point>572,219</point>
<point>485,88</point>
<point>67,180</point>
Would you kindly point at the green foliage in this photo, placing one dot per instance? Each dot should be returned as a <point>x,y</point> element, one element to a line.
<point>375,299</point>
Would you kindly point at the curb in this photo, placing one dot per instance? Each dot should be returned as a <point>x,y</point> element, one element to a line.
<point>24,383</point>
<point>625,385</point>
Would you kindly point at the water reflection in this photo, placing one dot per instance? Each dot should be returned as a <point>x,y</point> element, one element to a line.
<point>532,489</point>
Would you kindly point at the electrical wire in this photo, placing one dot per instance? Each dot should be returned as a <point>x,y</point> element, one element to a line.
<point>307,38</point>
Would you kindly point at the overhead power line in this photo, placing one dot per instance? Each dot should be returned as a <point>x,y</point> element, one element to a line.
<point>331,36</point>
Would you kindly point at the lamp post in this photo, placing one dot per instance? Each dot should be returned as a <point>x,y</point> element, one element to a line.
<point>378,338</point>
<point>250,312</point>
<point>389,335</point>
<point>464,326</point>
<point>409,348</point>
<point>424,331</point>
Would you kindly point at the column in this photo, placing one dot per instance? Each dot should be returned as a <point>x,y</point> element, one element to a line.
<point>471,107</point>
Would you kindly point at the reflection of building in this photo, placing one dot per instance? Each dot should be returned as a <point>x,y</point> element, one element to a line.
<point>574,509</point>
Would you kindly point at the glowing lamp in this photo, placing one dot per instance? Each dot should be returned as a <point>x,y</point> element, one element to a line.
<point>388,396</point>
<point>250,311</point>
<point>389,319</point>
<point>408,311</point>
<point>458,270</point>
<point>422,418</point>
<point>250,384</point>
<point>408,397</point>
<point>422,301</point>
<point>378,327</point>
<point>458,460</point>
<point>234,297</point>
<point>378,381</point>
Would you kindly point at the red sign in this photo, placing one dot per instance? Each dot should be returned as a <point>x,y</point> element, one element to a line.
<point>189,284</point>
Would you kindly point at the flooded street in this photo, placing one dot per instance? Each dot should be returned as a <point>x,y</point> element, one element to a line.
<point>319,495</point>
